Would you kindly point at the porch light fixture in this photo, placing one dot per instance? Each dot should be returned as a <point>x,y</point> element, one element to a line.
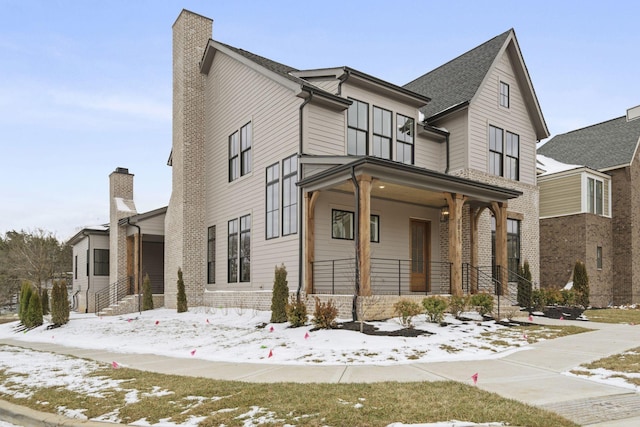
<point>444,214</point>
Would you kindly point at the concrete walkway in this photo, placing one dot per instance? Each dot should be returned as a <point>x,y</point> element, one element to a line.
<point>531,376</point>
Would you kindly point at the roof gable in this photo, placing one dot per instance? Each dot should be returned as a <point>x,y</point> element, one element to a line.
<point>602,146</point>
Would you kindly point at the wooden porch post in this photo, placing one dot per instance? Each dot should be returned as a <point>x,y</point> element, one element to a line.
<point>500,213</point>
<point>310,248</point>
<point>455,202</point>
<point>474,217</point>
<point>364,235</point>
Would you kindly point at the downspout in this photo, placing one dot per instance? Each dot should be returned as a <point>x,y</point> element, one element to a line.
<point>139,260</point>
<point>446,142</point>
<point>300,202</point>
<point>86,297</point>
<point>343,78</point>
<point>354,306</point>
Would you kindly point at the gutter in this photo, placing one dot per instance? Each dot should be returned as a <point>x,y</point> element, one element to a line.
<point>300,210</point>
<point>343,78</point>
<point>354,306</point>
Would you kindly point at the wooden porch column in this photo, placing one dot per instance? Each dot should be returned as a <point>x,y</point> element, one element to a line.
<point>364,234</point>
<point>455,202</point>
<point>474,217</point>
<point>500,213</point>
<point>310,199</point>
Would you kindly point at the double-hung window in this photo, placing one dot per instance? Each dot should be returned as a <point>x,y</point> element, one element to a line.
<point>234,156</point>
<point>504,153</point>
<point>504,95</point>
<point>495,150</point>
<point>595,196</point>
<point>357,128</point>
<point>240,143</point>
<point>232,251</point>
<point>512,156</point>
<point>273,201</point>
<point>239,249</point>
<point>245,248</point>
<point>404,139</point>
<point>289,195</point>
<point>101,262</point>
<point>381,133</point>
<point>211,254</point>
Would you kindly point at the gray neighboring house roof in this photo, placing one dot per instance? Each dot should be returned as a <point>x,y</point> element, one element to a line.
<point>602,146</point>
<point>457,81</point>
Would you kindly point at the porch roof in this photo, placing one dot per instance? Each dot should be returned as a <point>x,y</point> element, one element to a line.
<point>398,181</point>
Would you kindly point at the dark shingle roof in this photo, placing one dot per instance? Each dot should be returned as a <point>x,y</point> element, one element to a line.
<point>458,80</point>
<point>600,146</point>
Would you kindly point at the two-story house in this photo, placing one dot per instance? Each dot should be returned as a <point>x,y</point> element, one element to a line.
<point>589,212</point>
<point>358,186</point>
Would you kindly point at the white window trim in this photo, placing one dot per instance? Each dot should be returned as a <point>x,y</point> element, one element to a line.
<point>606,189</point>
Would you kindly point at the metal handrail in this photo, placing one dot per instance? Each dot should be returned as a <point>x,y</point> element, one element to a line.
<point>113,293</point>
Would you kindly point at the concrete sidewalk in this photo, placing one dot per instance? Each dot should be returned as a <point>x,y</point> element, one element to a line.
<point>531,376</point>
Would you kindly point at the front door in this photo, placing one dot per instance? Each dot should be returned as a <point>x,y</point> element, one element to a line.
<point>419,237</point>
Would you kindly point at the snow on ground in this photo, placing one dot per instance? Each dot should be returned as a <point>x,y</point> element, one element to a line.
<point>236,335</point>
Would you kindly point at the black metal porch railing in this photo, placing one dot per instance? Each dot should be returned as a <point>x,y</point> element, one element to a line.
<point>388,277</point>
<point>113,293</point>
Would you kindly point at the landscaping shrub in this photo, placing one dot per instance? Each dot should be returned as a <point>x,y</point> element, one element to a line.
<point>296,312</point>
<point>45,302</point>
<point>324,316</point>
<point>25,294</point>
<point>33,316</point>
<point>59,304</point>
<point>524,285</point>
<point>406,309</point>
<point>581,284</point>
<point>552,296</point>
<point>568,297</point>
<point>147,296</point>
<point>483,303</point>
<point>182,294</point>
<point>280,296</point>
<point>538,299</point>
<point>435,308</point>
<point>458,305</point>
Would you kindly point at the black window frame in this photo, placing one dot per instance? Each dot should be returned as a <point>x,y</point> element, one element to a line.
<point>356,129</point>
<point>404,138</point>
<point>234,156</point>
<point>350,214</point>
<point>382,135</point>
<point>211,254</point>
<point>272,201</point>
<point>599,257</point>
<point>75,268</point>
<point>244,251</point>
<point>100,262</point>
<point>290,195</point>
<point>232,250</point>
<point>496,150</point>
<point>505,95</point>
<point>246,142</point>
<point>512,159</point>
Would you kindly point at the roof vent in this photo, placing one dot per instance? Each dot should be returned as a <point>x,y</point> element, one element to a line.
<point>633,113</point>
<point>122,170</point>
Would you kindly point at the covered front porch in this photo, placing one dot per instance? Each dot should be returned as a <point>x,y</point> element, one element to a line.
<point>377,227</point>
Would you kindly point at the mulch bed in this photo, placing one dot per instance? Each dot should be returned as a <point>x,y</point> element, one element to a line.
<point>372,330</point>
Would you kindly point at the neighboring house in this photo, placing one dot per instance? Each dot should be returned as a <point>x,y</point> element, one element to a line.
<point>358,186</point>
<point>591,213</point>
<point>90,252</point>
<point>333,173</point>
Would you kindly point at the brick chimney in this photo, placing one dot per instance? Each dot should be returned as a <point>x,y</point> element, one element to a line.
<point>120,206</point>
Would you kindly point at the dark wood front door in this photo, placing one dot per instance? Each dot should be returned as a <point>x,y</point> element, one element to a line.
<point>419,237</point>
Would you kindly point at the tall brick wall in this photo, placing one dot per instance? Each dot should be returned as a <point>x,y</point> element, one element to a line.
<point>120,186</point>
<point>185,231</point>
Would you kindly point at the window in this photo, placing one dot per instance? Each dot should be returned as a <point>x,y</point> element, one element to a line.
<point>595,195</point>
<point>513,246</point>
<point>245,149</point>
<point>404,138</point>
<point>289,195</point>
<point>495,151</point>
<point>234,159</point>
<point>240,152</point>
<point>357,128</point>
<point>504,153</point>
<point>504,95</point>
<point>232,251</point>
<point>342,225</point>
<point>381,133</point>
<point>273,201</point>
<point>245,248</point>
<point>75,270</point>
<point>87,262</point>
<point>599,257</point>
<point>101,262</point>
<point>512,151</point>
<point>211,254</point>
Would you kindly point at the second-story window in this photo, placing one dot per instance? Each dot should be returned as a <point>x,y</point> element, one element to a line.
<point>234,156</point>
<point>512,157</point>
<point>245,149</point>
<point>289,195</point>
<point>357,128</point>
<point>404,138</point>
<point>504,95</point>
<point>381,133</point>
<point>595,199</point>
<point>273,201</point>
<point>495,150</point>
<point>504,153</point>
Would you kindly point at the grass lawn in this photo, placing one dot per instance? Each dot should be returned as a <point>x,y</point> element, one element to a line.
<point>231,403</point>
<point>624,365</point>
<point>614,315</point>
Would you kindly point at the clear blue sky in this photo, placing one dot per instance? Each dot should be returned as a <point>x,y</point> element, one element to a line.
<point>85,86</point>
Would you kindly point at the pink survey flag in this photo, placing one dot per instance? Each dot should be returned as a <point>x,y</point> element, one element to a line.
<point>474,377</point>
<point>193,352</point>
<point>270,353</point>
<point>115,365</point>
<point>157,322</point>
<point>525,336</point>
<point>530,318</point>
<point>271,329</point>
<point>306,336</point>
<point>207,320</point>
<point>561,317</point>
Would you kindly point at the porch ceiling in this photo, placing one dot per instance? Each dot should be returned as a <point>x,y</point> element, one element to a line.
<point>407,183</point>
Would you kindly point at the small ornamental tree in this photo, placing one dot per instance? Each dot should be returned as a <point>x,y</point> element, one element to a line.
<point>45,301</point>
<point>147,296</point>
<point>59,304</point>
<point>581,284</point>
<point>25,294</point>
<point>524,285</point>
<point>33,316</point>
<point>279,296</point>
<point>182,294</point>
